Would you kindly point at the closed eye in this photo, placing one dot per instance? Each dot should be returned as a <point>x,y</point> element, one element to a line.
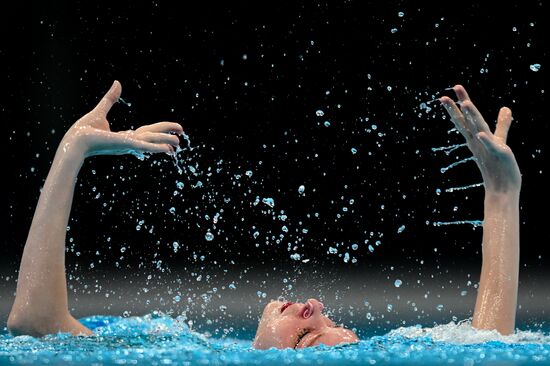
<point>301,335</point>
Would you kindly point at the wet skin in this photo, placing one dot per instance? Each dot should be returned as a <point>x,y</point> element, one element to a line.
<point>298,325</point>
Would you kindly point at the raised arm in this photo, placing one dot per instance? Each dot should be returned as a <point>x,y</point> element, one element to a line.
<point>41,305</point>
<point>498,287</point>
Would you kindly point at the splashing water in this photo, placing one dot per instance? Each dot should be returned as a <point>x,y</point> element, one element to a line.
<point>474,223</point>
<point>157,339</point>
<point>448,149</point>
<point>452,189</point>
<point>443,170</point>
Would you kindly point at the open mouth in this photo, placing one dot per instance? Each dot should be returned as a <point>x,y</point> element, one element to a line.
<point>285,305</point>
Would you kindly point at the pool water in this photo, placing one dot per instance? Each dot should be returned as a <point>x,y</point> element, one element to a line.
<point>163,340</point>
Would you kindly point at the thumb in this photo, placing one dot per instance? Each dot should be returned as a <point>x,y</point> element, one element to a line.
<point>503,123</point>
<point>110,98</point>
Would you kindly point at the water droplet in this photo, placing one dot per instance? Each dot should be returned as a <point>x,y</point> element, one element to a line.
<point>232,286</point>
<point>371,248</point>
<point>439,307</point>
<point>438,191</point>
<point>354,246</point>
<point>256,234</point>
<point>327,124</point>
<point>401,229</point>
<point>389,307</point>
<point>176,246</point>
<point>353,150</point>
<point>285,229</point>
<point>177,298</point>
<point>209,236</point>
<point>319,113</point>
<point>301,189</point>
<point>400,14</point>
<point>535,67</point>
<point>248,173</point>
<point>346,257</point>
<point>394,30</point>
<point>397,283</point>
<point>172,210</point>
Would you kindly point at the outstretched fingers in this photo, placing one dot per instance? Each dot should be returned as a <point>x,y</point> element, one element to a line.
<point>504,121</point>
<point>110,98</point>
<point>471,113</point>
<point>159,138</point>
<point>456,116</point>
<point>163,127</point>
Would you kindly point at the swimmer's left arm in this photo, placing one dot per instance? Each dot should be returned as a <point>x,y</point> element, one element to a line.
<point>498,287</point>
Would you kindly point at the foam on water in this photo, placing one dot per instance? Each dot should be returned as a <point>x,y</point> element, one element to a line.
<point>157,339</point>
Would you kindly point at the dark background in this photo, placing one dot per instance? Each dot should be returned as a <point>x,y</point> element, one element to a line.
<point>245,80</point>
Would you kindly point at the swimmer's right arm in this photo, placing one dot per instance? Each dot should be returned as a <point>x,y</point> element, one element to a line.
<point>498,287</point>
<point>41,304</point>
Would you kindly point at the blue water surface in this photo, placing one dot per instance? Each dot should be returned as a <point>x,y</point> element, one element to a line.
<point>158,339</point>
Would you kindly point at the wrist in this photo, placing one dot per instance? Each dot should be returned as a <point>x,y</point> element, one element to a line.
<point>509,197</point>
<point>71,149</point>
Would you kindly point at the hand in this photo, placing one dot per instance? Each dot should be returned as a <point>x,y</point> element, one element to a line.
<point>494,158</point>
<point>92,135</point>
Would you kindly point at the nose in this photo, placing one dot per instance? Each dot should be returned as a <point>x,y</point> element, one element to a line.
<point>311,307</point>
<point>317,304</point>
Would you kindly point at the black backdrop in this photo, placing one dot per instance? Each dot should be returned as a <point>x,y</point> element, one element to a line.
<point>246,81</point>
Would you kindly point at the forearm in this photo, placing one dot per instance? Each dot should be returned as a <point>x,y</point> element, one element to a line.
<point>497,295</point>
<point>41,286</point>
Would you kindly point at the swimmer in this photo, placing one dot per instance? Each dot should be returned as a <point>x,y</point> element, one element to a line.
<point>41,304</point>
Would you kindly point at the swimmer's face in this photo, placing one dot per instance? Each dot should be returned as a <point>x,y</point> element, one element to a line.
<point>297,325</point>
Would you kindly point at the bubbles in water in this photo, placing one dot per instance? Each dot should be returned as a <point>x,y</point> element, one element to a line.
<point>389,307</point>
<point>301,189</point>
<point>353,150</point>
<point>177,298</point>
<point>439,307</point>
<point>269,201</point>
<point>319,113</point>
<point>176,246</point>
<point>401,229</point>
<point>248,173</point>
<point>400,14</point>
<point>332,250</point>
<point>535,67</point>
<point>354,246</point>
<point>327,124</point>
<point>172,210</point>
<point>398,283</point>
<point>393,30</point>
<point>209,236</point>
<point>295,256</point>
<point>371,248</point>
